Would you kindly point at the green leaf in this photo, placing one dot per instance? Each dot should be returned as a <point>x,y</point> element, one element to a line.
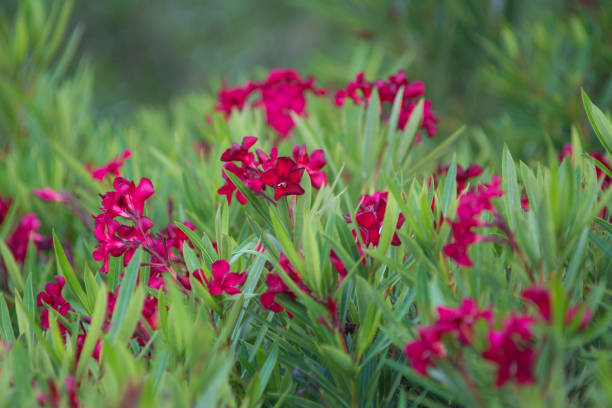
<point>11,266</point>
<point>410,131</point>
<point>370,136</point>
<point>94,332</point>
<point>450,186</point>
<point>600,123</point>
<point>6,326</point>
<point>71,280</point>
<point>126,291</point>
<point>512,196</point>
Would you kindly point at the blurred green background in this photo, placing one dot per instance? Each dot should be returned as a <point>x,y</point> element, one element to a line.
<point>512,68</point>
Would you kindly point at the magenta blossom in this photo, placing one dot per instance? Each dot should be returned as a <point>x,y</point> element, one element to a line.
<point>111,168</point>
<point>223,280</point>
<point>471,205</point>
<point>511,350</point>
<point>47,194</point>
<point>284,178</point>
<point>312,164</point>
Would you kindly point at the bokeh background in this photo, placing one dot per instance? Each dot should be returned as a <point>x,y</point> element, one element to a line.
<point>513,68</point>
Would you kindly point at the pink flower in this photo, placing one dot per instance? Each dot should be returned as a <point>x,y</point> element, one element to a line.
<point>471,205</point>
<point>338,265</point>
<point>284,178</point>
<point>47,194</point>
<point>233,98</point>
<point>79,348</point>
<point>541,298</point>
<point>27,230</point>
<point>360,91</point>
<point>312,164</point>
<point>462,319</point>
<point>422,353</point>
<point>52,297</point>
<point>127,200</point>
<point>113,167</point>
<point>370,216</point>
<point>223,280</point>
<point>510,349</point>
<point>240,152</point>
<point>277,286</point>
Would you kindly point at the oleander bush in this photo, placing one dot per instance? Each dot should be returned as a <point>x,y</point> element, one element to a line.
<point>292,240</point>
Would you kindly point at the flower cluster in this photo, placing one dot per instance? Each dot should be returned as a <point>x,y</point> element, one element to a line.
<point>369,218</point>
<point>283,92</point>
<point>114,238</point>
<point>121,228</point>
<point>471,205</point>
<point>360,90</point>
<point>510,348</point>
<point>451,322</point>
<point>112,168</point>
<point>260,170</point>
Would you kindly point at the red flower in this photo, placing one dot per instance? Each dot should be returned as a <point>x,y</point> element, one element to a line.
<point>312,164</point>
<point>510,349</point>
<point>113,167</point>
<point>52,296</point>
<point>73,398</point>
<point>285,178</point>
<point>471,204</point>
<point>338,265</point>
<point>462,319</point>
<point>47,194</point>
<point>370,216</point>
<point>422,352</point>
<point>127,200</point>
<point>223,280</point>
<point>277,286</point>
<point>79,348</point>
<point>240,152</point>
<point>233,98</point>
<point>541,298</point>
<point>27,230</point>
<point>387,91</point>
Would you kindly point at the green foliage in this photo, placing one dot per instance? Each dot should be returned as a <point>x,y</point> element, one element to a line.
<point>342,342</point>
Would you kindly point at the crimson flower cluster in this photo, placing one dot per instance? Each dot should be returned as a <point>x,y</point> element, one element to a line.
<point>116,239</point>
<point>369,218</point>
<point>283,92</point>
<point>258,171</point>
<point>510,348</point>
<point>360,90</point>
<point>471,205</point>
